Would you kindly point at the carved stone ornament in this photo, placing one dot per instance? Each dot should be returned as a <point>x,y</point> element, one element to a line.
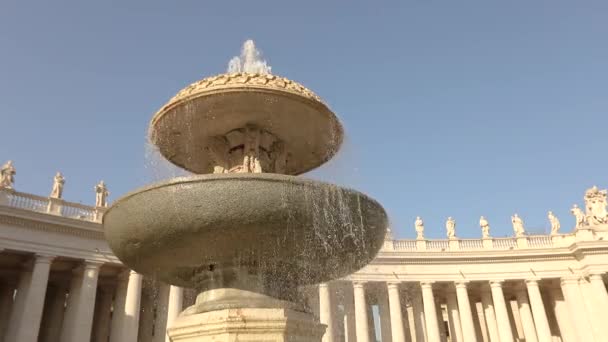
<point>595,206</point>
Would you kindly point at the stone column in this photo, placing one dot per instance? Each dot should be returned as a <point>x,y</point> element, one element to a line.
<point>576,306</point>
<point>541,322</point>
<point>101,323</point>
<point>526,317</point>
<point>430,313</point>
<point>350,334</point>
<point>325,312</point>
<point>118,315</point>
<point>82,304</point>
<point>385,316</point>
<point>562,315</point>
<point>600,299</point>
<point>465,313</point>
<point>130,325</point>
<point>456,334</point>
<point>394,303</point>
<point>50,329</point>
<point>418,311</point>
<point>489,315</point>
<point>502,316</point>
<point>361,318</point>
<point>25,321</point>
<point>176,300</point>
<point>6,304</point>
<point>440,322</point>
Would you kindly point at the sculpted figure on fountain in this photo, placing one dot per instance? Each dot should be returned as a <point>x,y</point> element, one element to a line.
<point>555,225</point>
<point>450,226</point>
<point>58,183</point>
<point>518,225</point>
<point>595,206</point>
<point>419,228</point>
<point>101,195</point>
<point>485,227</point>
<point>579,217</point>
<point>7,175</point>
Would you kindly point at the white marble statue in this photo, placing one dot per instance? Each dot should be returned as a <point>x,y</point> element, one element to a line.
<point>101,195</point>
<point>419,228</point>
<point>578,216</point>
<point>58,183</point>
<point>595,206</point>
<point>518,225</point>
<point>555,225</point>
<point>7,175</point>
<point>485,227</point>
<point>450,226</point>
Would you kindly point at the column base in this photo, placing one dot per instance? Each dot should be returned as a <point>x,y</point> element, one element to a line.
<point>247,324</point>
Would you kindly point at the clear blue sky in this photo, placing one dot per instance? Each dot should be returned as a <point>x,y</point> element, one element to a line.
<point>452,108</point>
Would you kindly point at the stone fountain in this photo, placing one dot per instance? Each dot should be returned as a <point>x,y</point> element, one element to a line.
<point>244,230</point>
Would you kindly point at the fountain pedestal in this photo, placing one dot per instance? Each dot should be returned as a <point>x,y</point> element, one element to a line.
<point>247,324</point>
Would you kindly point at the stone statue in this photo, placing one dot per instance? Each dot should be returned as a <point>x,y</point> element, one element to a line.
<point>450,226</point>
<point>419,228</point>
<point>578,216</point>
<point>101,195</point>
<point>518,225</point>
<point>485,227</point>
<point>58,183</point>
<point>251,150</point>
<point>7,175</point>
<point>595,206</point>
<point>555,225</point>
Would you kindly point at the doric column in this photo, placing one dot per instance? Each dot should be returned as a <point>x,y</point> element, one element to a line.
<point>526,317</point>
<point>325,312</point>
<point>600,299</point>
<point>430,313</point>
<point>350,334</point>
<point>82,304</point>
<point>25,321</point>
<point>130,325</point>
<point>440,323</point>
<point>118,314</point>
<point>101,324</point>
<point>465,313</point>
<point>394,303</point>
<point>502,316</point>
<point>50,329</point>
<point>489,315</point>
<point>176,300</point>
<point>576,305</point>
<point>456,334</point>
<point>562,316</point>
<point>384,315</point>
<point>418,322</point>
<point>541,322</point>
<point>361,324</point>
<point>6,304</point>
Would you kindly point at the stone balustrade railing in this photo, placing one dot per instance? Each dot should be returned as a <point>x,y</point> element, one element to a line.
<point>60,207</point>
<point>47,205</point>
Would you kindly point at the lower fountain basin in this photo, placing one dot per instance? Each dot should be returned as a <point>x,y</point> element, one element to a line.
<point>266,233</point>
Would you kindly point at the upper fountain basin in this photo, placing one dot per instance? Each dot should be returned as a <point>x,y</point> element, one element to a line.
<point>184,128</point>
<point>213,231</point>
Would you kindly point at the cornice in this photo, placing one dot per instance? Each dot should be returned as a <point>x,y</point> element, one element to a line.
<point>50,223</point>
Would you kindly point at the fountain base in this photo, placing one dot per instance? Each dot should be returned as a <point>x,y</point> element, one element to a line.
<point>247,324</point>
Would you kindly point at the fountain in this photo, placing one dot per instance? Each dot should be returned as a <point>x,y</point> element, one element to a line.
<point>245,231</point>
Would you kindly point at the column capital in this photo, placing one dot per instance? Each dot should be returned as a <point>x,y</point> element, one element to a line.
<point>41,258</point>
<point>92,264</point>
<point>459,284</point>
<point>496,283</point>
<point>569,280</point>
<point>426,284</point>
<point>359,284</point>
<point>324,285</point>
<point>532,282</point>
<point>596,276</point>
<point>393,284</point>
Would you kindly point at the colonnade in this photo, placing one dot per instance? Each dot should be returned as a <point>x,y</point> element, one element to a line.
<point>36,307</point>
<point>568,309</point>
